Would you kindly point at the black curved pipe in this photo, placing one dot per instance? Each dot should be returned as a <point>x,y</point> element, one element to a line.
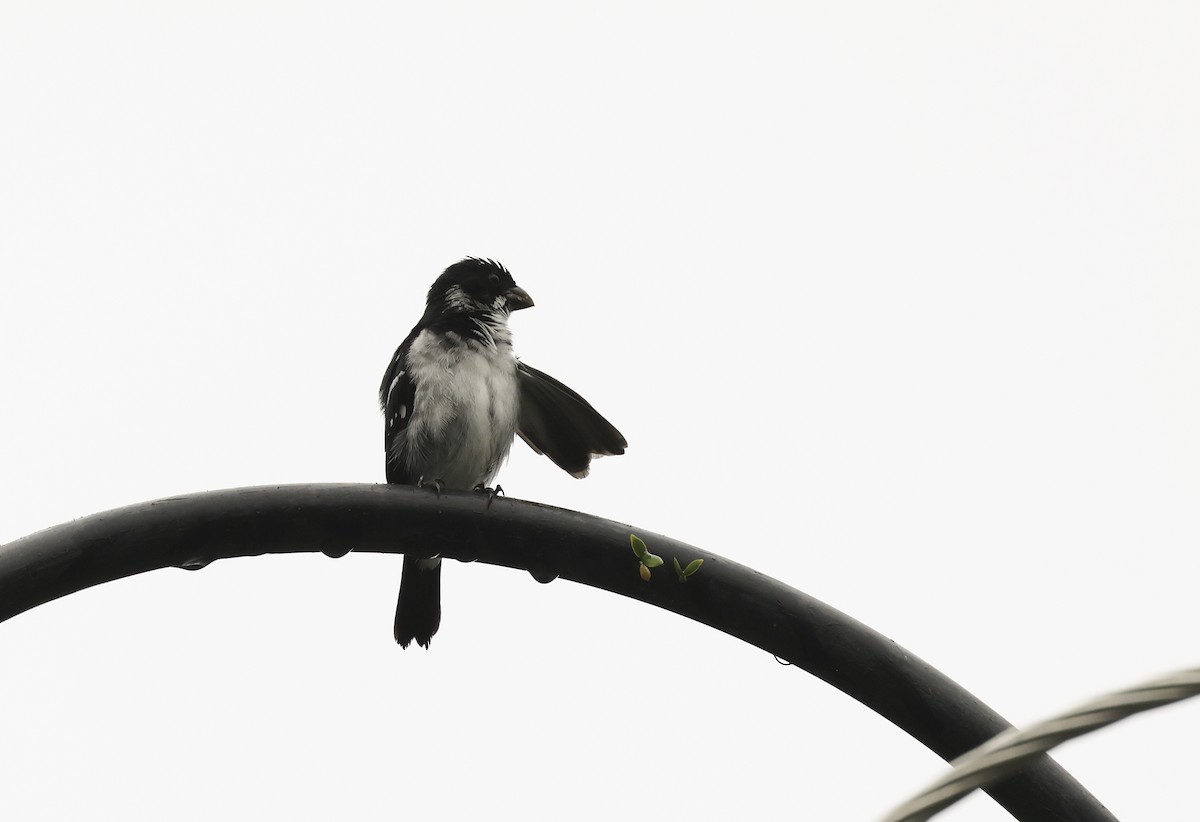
<point>549,542</point>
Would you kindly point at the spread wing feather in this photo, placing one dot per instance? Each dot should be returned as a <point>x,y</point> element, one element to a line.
<point>559,423</point>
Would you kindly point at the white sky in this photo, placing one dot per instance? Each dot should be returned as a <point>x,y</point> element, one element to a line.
<point>894,302</point>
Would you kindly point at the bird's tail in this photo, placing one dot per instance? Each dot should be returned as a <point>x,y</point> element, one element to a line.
<point>419,608</point>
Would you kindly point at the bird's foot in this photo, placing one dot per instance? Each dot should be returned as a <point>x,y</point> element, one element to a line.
<point>436,484</point>
<point>491,493</point>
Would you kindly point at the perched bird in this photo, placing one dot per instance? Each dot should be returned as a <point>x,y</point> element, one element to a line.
<point>454,396</point>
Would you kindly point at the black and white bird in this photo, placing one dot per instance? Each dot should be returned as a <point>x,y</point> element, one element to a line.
<point>453,398</point>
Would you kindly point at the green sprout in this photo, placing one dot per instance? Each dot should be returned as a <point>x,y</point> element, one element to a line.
<point>684,573</point>
<point>646,560</point>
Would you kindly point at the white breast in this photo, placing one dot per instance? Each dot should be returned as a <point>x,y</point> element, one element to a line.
<point>466,409</point>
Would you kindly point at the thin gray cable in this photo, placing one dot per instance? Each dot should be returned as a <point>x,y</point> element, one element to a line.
<point>1011,750</point>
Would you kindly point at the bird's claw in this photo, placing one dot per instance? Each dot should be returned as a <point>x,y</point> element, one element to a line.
<point>491,493</point>
<point>436,484</point>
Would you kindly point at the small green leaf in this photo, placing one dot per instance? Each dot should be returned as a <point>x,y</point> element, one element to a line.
<point>652,560</point>
<point>639,547</point>
<point>679,570</point>
<point>684,573</point>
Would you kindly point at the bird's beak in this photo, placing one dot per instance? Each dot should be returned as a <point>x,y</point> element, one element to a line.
<point>517,298</point>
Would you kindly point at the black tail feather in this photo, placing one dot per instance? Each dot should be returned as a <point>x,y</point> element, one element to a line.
<point>419,607</point>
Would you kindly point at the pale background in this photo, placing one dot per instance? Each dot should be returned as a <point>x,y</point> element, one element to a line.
<point>894,302</point>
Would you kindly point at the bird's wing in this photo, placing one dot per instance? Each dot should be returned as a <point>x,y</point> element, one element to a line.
<point>397,394</point>
<point>559,423</point>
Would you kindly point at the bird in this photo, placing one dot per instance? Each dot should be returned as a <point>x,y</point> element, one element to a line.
<point>454,397</point>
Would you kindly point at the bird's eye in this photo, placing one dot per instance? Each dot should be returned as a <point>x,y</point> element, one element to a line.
<point>494,279</point>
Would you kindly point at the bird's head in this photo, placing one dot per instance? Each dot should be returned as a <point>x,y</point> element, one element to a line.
<point>474,285</point>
